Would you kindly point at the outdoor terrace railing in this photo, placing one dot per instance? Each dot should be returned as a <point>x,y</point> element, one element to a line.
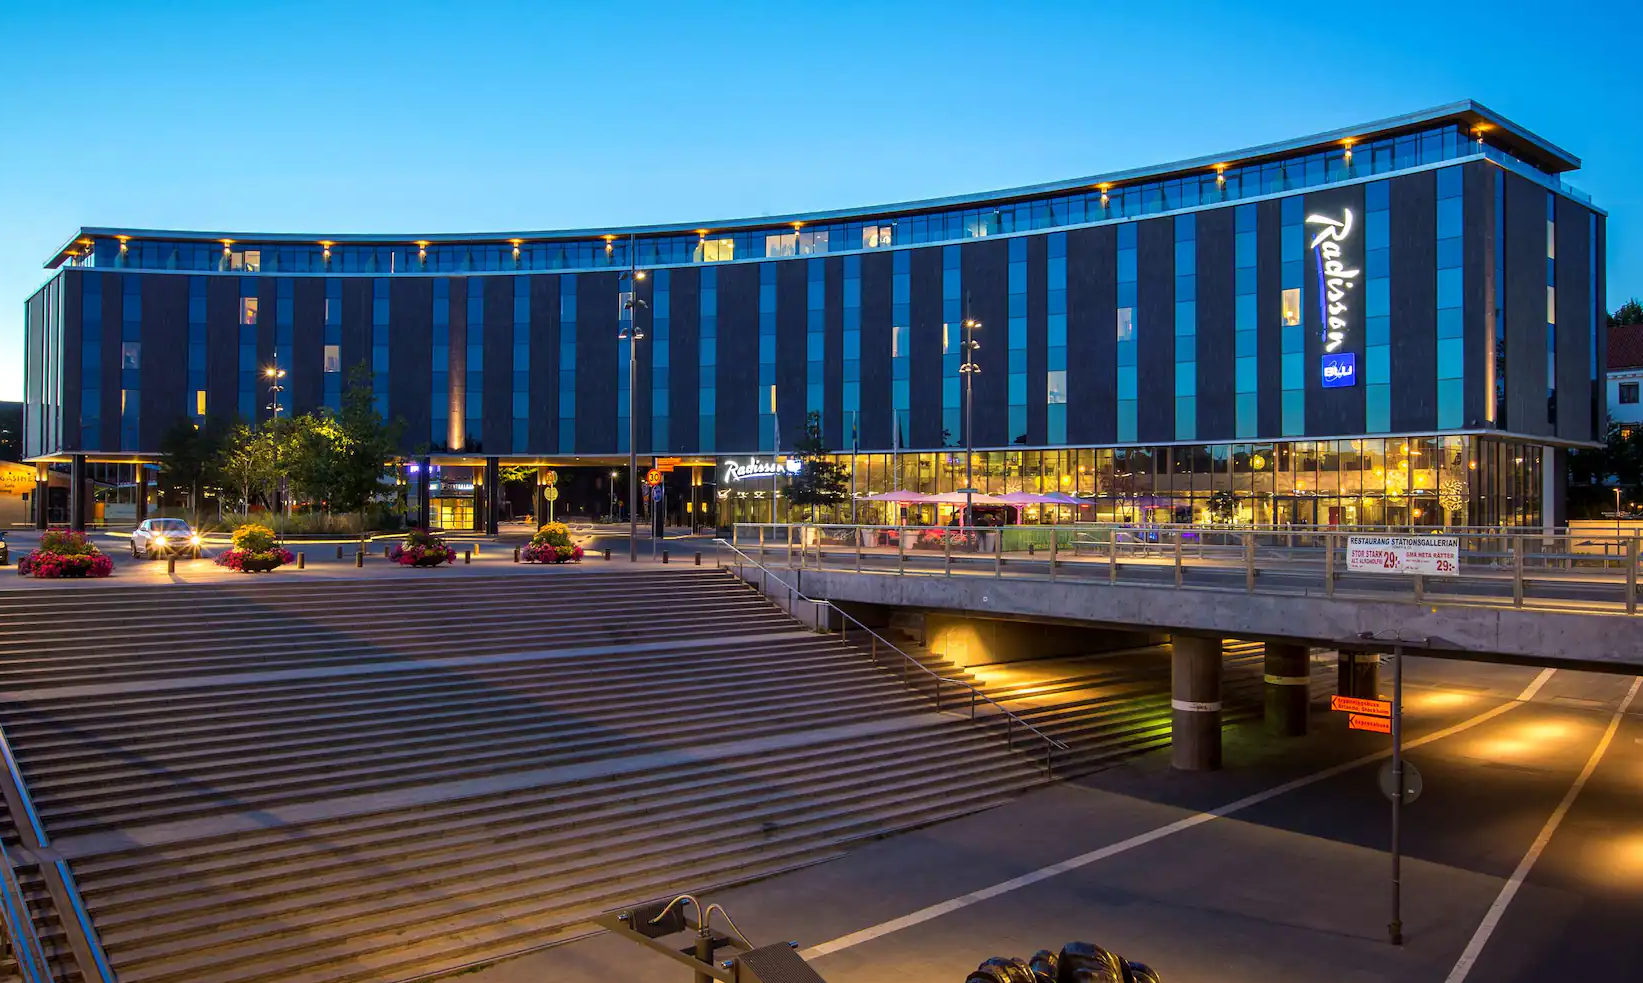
<point>911,668</point>
<point>1558,569</point>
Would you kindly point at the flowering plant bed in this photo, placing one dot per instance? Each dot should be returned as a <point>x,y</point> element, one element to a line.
<point>421,549</point>
<point>935,539</point>
<point>64,555</point>
<point>551,544</point>
<point>254,551</point>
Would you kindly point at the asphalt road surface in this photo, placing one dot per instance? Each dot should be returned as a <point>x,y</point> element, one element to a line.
<point>1290,883</point>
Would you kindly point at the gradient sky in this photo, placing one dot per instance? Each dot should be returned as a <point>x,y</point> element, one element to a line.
<point>420,117</point>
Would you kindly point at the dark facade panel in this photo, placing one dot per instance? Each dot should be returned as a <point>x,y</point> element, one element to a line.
<point>644,315</point>
<point>1217,324</point>
<point>684,357</point>
<point>1155,329</point>
<point>268,312</point>
<point>1527,411</point>
<point>1340,410</point>
<point>1413,221</point>
<point>356,325</point>
<point>164,366</point>
<point>1600,401</point>
<point>1478,291</point>
<point>1574,320</point>
<point>496,403</point>
<point>222,326</point>
<point>835,428</point>
<point>1038,363</point>
<point>596,348</point>
<point>792,287</point>
<point>1269,316</point>
<point>543,430</point>
<point>410,358</point>
<point>924,344</point>
<point>63,427</point>
<point>737,423</point>
<point>1092,335</point>
<point>876,310</point>
<point>985,266</point>
<point>113,308</point>
<point>307,388</point>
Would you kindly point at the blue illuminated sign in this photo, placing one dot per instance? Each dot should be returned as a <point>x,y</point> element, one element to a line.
<point>1340,369</point>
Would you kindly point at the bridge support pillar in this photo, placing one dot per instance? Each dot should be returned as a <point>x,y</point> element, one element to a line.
<point>1195,703</point>
<point>1358,674</point>
<point>1288,688</point>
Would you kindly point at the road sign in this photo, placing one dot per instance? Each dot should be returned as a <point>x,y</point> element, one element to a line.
<point>1412,783</point>
<point>666,464</point>
<point>551,494</point>
<point>1431,555</point>
<point>656,493</point>
<point>1361,721</point>
<point>654,477</point>
<point>1348,704</point>
<point>550,478</point>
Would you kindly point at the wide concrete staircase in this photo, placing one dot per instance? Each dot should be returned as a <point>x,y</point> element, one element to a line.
<point>392,777</point>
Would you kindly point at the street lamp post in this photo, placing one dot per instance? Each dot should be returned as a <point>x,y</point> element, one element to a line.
<point>628,303</point>
<point>969,370</point>
<point>613,494</point>
<point>1394,929</point>
<point>274,375</point>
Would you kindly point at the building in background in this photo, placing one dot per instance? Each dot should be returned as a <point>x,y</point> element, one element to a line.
<point>1625,360</point>
<point>1393,323</point>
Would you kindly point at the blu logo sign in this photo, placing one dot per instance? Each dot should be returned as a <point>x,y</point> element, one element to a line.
<point>1340,369</point>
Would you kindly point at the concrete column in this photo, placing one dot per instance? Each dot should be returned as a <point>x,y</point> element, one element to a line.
<point>77,489</point>
<point>42,496</point>
<point>539,500</point>
<point>1195,703</point>
<point>1288,688</point>
<point>479,500</point>
<point>1358,674</point>
<point>493,494</point>
<point>142,492</point>
<point>424,492</point>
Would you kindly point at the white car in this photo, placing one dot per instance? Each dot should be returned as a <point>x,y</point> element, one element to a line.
<point>164,537</point>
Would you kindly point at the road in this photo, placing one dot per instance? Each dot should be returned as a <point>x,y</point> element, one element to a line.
<point>1292,886</point>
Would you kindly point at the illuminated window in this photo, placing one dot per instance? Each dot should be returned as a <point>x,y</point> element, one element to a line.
<point>1058,386</point>
<point>131,355</point>
<point>249,260</point>
<point>248,310</point>
<point>1292,306</point>
<point>898,341</point>
<point>714,251</point>
<point>812,242</point>
<point>333,358</point>
<point>876,236</point>
<point>772,399</point>
<point>781,244</point>
<point>199,402</point>
<point>1551,304</point>
<point>1126,323</point>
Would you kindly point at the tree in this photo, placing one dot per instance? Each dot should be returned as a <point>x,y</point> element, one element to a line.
<point>819,481</point>
<point>362,449</point>
<point>1620,457</point>
<point>1631,312</point>
<point>192,458</point>
<point>247,461</point>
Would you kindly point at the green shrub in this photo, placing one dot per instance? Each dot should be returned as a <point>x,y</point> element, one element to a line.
<point>254,538</point>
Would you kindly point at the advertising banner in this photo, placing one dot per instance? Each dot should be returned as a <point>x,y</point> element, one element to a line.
<point>1437,556</point>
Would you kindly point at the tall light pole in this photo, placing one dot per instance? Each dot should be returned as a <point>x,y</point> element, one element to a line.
<point>1394,930</point>
<point>628,303</point>
<point>969,370</point>
<point>275,375</point>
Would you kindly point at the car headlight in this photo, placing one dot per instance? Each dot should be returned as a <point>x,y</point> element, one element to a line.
<point>194,540</point>
<point>159,540</point>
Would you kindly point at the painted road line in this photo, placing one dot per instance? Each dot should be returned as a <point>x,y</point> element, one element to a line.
<point>1491,919</point>
<point>1142,839</point>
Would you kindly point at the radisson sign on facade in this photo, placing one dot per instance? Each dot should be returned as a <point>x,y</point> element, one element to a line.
<point>1334,279</point>
<point>755,468</point>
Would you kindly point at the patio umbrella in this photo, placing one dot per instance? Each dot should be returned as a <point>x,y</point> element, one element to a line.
<point>1062,498</point>
<point>960,497</point>
<point>899,495</point>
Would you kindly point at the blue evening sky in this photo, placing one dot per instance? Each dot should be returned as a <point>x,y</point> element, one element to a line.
<point>333,117</point>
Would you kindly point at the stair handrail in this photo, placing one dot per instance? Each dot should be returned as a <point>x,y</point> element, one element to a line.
<point>1051,745</point>
<point>21,937</point>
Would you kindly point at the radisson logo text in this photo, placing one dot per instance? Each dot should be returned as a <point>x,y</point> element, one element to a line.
<point>1334,279</point>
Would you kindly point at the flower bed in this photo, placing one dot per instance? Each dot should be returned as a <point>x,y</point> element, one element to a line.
<point>254,551</point>
<point>551,544</point>
<point>64,555</point>
<point>421,549</point>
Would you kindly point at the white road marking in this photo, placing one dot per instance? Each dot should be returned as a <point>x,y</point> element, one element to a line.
<point>1142,839</point>
<point>1491,919</point>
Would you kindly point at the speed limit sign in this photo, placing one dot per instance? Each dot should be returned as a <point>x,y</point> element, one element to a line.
<point>550,478</point>
<point>654,477</point>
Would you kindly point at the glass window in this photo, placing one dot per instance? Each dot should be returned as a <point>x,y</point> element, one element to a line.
<point>1628,392</point>
<point>715,251</point>
<point>1058,386</point>
<point>333,358</point>
<point>199,401</point>
<point>248,310</point>
<point>249,260</point>
<point>876,236</point>
<point>131,355</point>
<point>1126,323</point>
<point>781,244</point>
<point>1292,306</point>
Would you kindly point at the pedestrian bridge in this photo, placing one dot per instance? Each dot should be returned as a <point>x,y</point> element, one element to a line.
<point>1545,599</point>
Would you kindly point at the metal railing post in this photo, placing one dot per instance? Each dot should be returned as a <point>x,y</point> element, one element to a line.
<point>1631,575</point>
<point>947,554</point>
<point>790,546</point>
<point>761,544</point>
<point>1249,563</point>
<point>1329,564</point>
<point>1055,548</point>
<point>1178,558</point>
<point>1112,556</point>
<point>858,549</point>
<point>998,552</point>
<point>1418,588</point>
<point>1517,572</point>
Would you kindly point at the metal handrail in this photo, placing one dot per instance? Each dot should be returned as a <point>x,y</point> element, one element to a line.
<point>19,926</point>
<point>1011,719</point>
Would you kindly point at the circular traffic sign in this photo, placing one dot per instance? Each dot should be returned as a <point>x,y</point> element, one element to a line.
<point>654,477</point>
<point>551,494</point>
<point>550,478</point>
<point>1412,783</point>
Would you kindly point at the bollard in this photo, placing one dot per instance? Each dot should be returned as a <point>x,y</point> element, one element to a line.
<point>1032,549</point>
<point>698,557</point>
<point>359,559</point>
<point>476,549</point>
<point>664,556</point>
<point>607,554</point>
<point>516,554</point>
<point>467,556</point>
<point>339,552</point>
<point>302,560</point>
<point>171,563</point>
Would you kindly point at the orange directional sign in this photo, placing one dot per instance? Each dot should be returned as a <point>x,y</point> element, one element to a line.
<point>1359,721</point>
<point>1348,704</point>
